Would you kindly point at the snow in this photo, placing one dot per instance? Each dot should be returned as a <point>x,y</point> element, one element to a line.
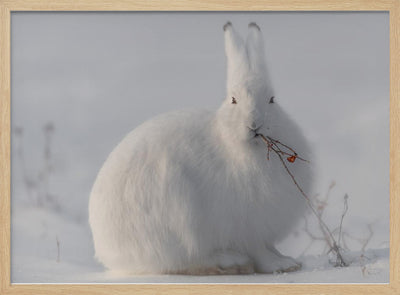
<point>72,261</point>
<point>40,229</point>
<point>97,76</point>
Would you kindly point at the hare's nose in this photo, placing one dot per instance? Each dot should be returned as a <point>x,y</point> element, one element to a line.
<point>254,126</point>
<point>255,121</point>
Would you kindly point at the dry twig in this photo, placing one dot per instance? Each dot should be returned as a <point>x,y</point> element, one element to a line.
<point>58,249</point>
<point>276,146</point>
<point>346,207</point>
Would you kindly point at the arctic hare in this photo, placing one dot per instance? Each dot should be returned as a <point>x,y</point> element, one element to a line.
<point>192,192</point>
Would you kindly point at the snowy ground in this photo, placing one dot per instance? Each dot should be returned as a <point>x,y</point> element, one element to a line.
<point>71,261</point>
<point>96,76</point>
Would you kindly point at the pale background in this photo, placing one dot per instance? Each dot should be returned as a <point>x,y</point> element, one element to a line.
<point>96,76</point>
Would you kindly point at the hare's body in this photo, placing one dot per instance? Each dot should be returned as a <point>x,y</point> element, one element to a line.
<point>190,192</point>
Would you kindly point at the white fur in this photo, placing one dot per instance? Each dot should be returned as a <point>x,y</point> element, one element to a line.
<point>192,191</point>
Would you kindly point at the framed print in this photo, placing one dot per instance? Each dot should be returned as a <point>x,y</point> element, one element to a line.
<point>192,148</point>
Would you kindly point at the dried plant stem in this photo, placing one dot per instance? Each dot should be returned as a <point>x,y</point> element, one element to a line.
<point>346,207</point>
<point>311,236</point>
<point>38,184</point>
<point>273,145</point>
<point>58,249</point>
<point>366,241</point>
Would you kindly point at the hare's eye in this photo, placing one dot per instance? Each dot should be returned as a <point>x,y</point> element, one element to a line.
<point>234,100</point>
<point>271,100</point>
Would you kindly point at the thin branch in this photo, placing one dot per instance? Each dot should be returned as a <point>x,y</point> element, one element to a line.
<point>371,233</point>
<point>275,145</point>
<point>312,237</point>
<point>58,249</point>
<point>346,207</point>
<point>272,144</point>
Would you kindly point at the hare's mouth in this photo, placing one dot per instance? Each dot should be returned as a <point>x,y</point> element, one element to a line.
<point>254,132</point>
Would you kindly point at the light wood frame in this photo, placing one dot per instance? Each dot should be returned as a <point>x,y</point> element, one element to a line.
<point>6,7</point>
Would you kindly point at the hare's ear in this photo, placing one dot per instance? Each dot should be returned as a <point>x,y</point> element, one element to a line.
<point>237,63</point>
<point>255,48</point>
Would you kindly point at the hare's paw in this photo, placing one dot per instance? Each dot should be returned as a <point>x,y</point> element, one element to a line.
<point>221,263</point>
<point>243,269</point>
<point>217,270</point>
<point>271,261</point>
<point>231,262</point>
<point>279,265</point>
